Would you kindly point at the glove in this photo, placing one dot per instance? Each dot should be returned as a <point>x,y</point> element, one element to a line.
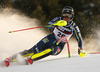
<point>81,52</point>
<point>60,23</point>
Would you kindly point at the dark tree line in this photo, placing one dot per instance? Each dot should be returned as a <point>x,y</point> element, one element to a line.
<point>87,12</point>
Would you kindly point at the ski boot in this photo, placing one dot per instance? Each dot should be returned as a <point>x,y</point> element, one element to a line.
<point>29,61</point>
<point>81,52</point>
<point>7,61</point>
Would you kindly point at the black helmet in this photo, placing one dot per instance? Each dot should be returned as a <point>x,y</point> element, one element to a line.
<point>69,11</point>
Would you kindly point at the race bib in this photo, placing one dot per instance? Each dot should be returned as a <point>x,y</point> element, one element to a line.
<point>59,34</point>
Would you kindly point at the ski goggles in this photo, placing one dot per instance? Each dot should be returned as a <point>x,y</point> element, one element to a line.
<point>67,15</point>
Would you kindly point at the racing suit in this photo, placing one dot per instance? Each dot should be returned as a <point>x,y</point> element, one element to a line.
<point>47,45</point>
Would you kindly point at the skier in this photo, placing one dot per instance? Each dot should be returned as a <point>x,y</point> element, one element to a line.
<point>47,46</point>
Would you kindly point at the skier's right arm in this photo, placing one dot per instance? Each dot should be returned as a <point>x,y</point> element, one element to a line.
<point>50,24</point>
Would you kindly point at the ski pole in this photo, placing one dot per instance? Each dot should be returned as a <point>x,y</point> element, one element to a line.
<point>30,28</point>
<point>93,52</point>
<point>59,23</point>
<point>67,44</point>
<point>25,29</point>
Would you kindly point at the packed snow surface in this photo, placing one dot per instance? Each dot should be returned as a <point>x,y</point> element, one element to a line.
<point>90,63</point>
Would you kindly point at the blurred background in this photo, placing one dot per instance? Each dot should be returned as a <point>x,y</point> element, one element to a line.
<point>87,12</point>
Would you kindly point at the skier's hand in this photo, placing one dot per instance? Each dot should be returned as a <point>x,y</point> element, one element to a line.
<point>60,23</point>
<point>81,52</point>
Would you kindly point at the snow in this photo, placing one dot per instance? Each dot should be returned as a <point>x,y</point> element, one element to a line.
<point>90,63</point>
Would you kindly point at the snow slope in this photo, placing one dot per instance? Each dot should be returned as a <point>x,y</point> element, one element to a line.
<point>90,63</point>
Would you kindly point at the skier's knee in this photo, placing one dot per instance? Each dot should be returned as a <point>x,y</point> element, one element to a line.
<point>56,50</point>
<point>35,49</point>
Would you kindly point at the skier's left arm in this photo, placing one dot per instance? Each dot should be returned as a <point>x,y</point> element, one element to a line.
<point>53,21</point>
<point>78,36</point>
<point>56,22</point>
